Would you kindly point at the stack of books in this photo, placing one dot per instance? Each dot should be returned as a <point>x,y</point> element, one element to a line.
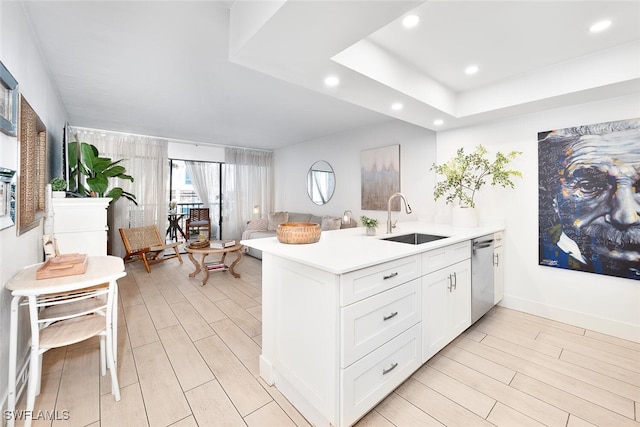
<point>216,266</point>
<point>222,244</point>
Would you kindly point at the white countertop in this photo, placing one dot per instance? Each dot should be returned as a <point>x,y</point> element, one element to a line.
<point>341,251</point>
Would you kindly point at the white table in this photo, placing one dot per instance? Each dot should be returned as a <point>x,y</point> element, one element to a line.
<point>100,269</point>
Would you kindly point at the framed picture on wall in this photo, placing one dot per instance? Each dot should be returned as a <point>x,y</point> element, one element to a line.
<point>589,198</point>
<point>8,102</point>
<point>32,139</point>
<point>7,198</point>
<point>380,178</point>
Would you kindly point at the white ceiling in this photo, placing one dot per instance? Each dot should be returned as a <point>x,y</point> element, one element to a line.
<point>251,73</point>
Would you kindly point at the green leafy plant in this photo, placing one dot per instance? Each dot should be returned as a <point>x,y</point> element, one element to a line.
<point>97,171</point>
<point>58,184</point>
<point>465,174</point>
<point>369,222</point>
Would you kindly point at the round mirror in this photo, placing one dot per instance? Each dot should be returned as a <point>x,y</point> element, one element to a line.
<point>321,182</point>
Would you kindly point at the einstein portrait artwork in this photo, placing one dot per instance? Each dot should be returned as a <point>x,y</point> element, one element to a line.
<point>589,198</point>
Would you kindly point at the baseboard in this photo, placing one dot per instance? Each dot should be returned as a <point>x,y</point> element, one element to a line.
<point>627,331</point>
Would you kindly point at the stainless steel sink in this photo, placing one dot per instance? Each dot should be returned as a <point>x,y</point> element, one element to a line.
<point>414,238</point>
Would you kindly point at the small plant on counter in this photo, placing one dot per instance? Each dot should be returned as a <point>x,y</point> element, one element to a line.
<point>369,222</point>
<point>58,184</point>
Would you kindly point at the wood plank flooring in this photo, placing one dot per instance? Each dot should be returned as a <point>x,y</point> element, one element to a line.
<point>188,356</point>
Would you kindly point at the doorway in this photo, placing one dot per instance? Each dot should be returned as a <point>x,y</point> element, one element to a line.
<point>200,188</point>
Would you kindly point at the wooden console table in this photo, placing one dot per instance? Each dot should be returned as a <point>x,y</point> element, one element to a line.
<point>206,251</point>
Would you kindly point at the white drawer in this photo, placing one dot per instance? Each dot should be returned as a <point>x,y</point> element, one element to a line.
<point>369,323</point>
<point>438,258</point>
<point>372,378</point>
<point>369,281</point>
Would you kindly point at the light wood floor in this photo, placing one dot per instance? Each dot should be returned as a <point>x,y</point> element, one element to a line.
<point>188,356</point>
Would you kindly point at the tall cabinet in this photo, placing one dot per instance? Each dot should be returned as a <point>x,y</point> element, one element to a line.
<point>80,224</point>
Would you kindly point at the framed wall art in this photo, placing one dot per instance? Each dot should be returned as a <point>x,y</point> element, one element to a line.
<point>380,171</point>
<point>7,198</point>
<point>32,140</point>
<point>589,198</point>
<point>8,102</point>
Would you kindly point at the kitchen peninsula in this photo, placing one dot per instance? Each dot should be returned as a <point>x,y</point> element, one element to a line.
<point>348,319</point>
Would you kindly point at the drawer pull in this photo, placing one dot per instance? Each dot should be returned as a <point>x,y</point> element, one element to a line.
<point>390,276</point>
<point>386,371</point>
<point>391,316</point>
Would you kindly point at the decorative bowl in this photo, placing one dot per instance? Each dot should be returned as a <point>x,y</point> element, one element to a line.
<point>296,233</point>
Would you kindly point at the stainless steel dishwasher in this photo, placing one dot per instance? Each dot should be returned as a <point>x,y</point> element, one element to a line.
<point>481,276</point>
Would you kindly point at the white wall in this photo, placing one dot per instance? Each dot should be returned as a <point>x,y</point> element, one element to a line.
<point>601,303</point>
<point>20,55</point>
<point>342,151</point>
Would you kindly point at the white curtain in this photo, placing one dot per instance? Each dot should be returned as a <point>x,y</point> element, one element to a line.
<point>205,178</point>
<point>146,160</point>
<point>247,183</point>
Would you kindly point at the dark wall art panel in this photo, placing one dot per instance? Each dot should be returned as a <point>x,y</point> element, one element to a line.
<point>589,198</point>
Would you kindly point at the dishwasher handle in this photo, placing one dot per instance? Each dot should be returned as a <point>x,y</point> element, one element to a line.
<point>483,242</point>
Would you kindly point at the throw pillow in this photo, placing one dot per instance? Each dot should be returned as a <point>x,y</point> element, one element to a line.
<point>277,218</point>
<point>331,223</point>
<point>258,224</point>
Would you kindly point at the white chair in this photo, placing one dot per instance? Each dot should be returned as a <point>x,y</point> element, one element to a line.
<point>58,320</point>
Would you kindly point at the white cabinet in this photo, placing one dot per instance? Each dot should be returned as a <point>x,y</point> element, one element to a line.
<point>336,344</point>
<point>380,337</point>
<point>368,324</point>
<point>498,269</point>
<point>446,306</point>
<point>80,224</point>
<point>446,296</point>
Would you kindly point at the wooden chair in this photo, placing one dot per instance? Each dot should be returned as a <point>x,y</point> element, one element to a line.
<point>145,244</point>
<point>198,218</point>
<point>59,320</point>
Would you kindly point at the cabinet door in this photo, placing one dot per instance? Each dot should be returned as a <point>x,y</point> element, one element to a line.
<point>446,306</point>
<point>460,299</point>
<point>436,288</point>
<point>498,274</point>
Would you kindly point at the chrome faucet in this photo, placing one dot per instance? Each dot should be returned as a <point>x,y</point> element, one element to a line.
<point>407,208</point>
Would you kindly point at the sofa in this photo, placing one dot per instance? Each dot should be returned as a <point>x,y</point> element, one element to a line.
<point>266,227</point>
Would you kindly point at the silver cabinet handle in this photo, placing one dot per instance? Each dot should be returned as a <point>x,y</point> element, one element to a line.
<point>390,276</point>
<point>386,371</point>
<point>455,281</point>
<point>496,259</point>
<point>391,316</point>
<point>450,287</point>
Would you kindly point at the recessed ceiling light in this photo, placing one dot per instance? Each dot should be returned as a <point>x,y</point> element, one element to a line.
<point>332,81</point>
<point>438,122</point>
<point>471,69</point>
<point>396,106</point>
<point>410,21</point>
<point>600,26</point>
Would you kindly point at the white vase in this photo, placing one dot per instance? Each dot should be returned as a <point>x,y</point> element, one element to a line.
<point>59,194</point>
<point>371,231</point>
<point>464,217</point>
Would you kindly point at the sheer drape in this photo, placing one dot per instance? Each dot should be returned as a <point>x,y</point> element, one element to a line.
<point>146,160</point>
<point>205,178</point>
<point>247,182</point>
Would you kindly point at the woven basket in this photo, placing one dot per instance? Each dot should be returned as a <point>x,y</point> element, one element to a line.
<point>200,244</point>
<point>297,233</point>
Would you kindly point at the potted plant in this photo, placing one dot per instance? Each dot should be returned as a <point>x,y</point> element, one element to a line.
<point>58,188</point>
<point>465,174</point>
<point>98,171</point>
<point>369,224</point>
